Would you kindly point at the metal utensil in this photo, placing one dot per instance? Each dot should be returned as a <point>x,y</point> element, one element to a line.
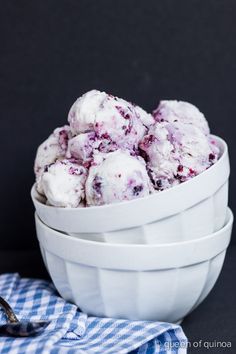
<point>16,328</point>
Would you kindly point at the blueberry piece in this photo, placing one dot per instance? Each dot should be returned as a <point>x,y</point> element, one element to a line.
<point>137,189</point>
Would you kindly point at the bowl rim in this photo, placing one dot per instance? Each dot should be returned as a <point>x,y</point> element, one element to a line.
<point>134,256</point>
<point>36,196</point>
<point>228,223</point>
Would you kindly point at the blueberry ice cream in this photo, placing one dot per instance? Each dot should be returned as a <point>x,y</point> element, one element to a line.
<point>116,176</point>
<point>113,150</point>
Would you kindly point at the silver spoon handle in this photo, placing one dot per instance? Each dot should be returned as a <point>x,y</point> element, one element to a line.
<point>8,311</point>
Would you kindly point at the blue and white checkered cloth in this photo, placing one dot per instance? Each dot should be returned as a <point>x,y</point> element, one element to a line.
<point>71,331</point>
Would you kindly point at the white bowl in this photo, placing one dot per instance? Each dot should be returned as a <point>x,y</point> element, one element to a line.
<point>138,282</point>
<point>190,210</point>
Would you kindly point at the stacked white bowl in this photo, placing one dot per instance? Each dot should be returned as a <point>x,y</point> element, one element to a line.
<point>153,258</point>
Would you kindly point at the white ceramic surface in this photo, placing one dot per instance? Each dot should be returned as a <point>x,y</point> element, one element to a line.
<point>139,282</point>
<point>190,210</point>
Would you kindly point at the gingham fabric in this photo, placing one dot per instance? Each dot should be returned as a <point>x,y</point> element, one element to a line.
<point>70,331</point>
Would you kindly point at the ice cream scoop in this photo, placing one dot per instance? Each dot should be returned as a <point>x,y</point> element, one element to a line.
<point>82,146</point>
<point>114,121</point>
<point>115,177</point>
<point>63,183</point>
<point>176,152</point>
<point>173,111</point>
<point>53,148</point>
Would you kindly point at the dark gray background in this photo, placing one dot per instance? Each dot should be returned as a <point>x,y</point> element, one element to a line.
<point>53,51</point>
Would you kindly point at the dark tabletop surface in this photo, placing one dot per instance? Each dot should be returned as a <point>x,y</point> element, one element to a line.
<point>213,320</point>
